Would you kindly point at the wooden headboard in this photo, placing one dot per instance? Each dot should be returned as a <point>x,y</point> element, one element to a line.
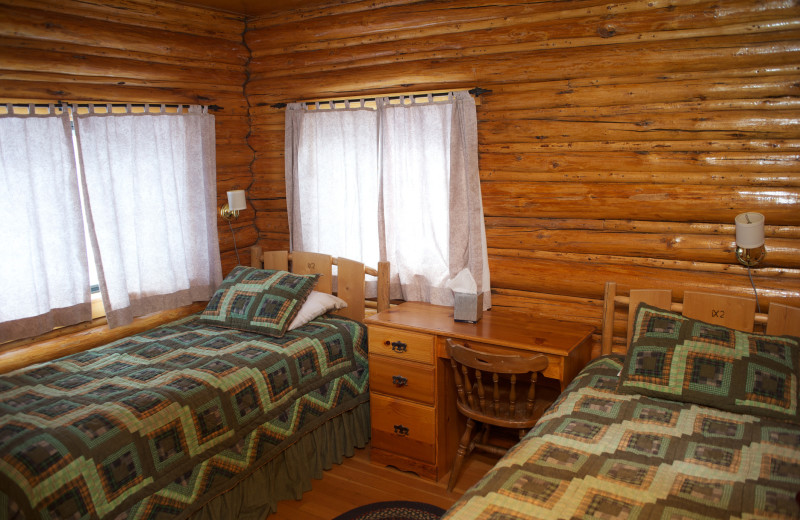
<point>350,282</point>
<point>735,312</point>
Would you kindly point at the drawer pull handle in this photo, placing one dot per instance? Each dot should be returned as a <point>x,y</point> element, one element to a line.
<point>399,381</point>
<point>399,429</point>
<point>399,346</point>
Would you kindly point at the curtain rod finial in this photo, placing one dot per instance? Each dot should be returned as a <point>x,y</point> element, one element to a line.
<point>477,91</point>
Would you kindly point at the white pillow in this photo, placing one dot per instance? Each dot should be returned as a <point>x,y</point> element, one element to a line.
<point>317,304</point>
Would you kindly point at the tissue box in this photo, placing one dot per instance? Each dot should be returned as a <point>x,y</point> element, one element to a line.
<point>467,307</point>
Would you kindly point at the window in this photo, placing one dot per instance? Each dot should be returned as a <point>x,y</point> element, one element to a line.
<point>396,182</point>
<point>146,203</point>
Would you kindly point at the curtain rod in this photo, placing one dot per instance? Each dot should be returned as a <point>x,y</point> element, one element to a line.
<point>86,105</point>
<point>477,91</point>
<point>142,105</point>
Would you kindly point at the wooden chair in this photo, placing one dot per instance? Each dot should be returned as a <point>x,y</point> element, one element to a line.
<point>488,387</point>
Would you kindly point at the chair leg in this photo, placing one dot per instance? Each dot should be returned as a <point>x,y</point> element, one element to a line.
<point>463,443</point>
<point>486,432</point>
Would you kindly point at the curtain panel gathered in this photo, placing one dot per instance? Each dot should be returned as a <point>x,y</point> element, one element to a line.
<point>333,211</point>
<point>44,275</point>
<point>149,180</point>
<point>400,182</point>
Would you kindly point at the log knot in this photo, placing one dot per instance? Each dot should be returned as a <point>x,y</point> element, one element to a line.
<point>607,31</point>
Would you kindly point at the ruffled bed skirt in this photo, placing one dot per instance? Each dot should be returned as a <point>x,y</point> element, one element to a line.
<point>289,474</point>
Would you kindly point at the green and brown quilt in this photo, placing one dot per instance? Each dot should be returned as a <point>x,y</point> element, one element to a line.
<point>599,453</point>
<point>152,425</point>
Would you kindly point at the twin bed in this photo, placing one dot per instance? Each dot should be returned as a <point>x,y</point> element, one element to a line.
<point>217,415</point>
<point>694,419</point>
<point>222,414</point>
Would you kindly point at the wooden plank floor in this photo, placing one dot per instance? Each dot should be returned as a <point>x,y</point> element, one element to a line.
<point>357,482</point>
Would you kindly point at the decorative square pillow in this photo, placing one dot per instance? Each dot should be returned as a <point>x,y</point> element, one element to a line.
<point>682,359</point>
<point>258,300</point>
<point>317,304</point>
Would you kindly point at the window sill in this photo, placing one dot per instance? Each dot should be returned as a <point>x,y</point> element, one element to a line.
<point>98,310</point>
<point>71,340</point>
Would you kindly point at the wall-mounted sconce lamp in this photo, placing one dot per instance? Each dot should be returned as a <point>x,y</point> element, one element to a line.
<point>230,211</point>
<point>236,203</point>
<point>750,250</point>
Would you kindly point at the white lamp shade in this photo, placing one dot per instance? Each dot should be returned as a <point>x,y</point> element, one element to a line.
<point>749,230</point>
<point>236,200</point>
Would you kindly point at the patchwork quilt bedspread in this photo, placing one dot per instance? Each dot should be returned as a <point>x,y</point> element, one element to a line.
<point>149,426</point>
<point>600,454</point>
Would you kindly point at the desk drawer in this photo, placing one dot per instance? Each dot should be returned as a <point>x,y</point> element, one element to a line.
<point>403,427</point>
<point>401,344</point>
<point>399,378</point>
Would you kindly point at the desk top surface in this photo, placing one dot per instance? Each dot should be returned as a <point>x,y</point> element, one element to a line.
<point>499,327</point>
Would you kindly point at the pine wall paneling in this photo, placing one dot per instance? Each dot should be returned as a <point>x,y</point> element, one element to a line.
<point>138,51</point>
<point>618,142</point>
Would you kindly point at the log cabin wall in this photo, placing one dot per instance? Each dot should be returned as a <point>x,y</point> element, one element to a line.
<point>618,142</point>
<point>137,51</point>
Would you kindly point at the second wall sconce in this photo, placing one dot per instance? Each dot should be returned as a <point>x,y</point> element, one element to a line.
<point>236,203</point>
<point>750,250</point>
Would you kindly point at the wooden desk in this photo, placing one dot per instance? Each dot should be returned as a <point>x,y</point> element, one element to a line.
<point>414,419</point>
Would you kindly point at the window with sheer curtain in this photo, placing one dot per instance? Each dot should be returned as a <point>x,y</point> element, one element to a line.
<point>149,194</point>
<point>44,274</point>
<point>398,182</point>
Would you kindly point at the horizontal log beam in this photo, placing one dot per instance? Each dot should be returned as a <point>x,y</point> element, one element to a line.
<point>639,226</point>
<point>635,160</point>
<point>743,165</point>
<point>674,203</point>
<point>684,247</point>
<point>638,90</point>
<point>463,41</point>
<point>698,146</point>
<point>133,70</point>
<point>244,235</point>
<point>40,25</point>
<point>585,276</point>
<point>34,91</point>
<point>510,22</point>
<point>171,16</point>
<point>730,177</point>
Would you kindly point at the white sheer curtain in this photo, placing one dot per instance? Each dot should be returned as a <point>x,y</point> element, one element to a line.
<point>429,212</point>
<point>468,249</point>
<point>332,181</point>
<point>432,217</point>
<point>150,185</point>
<point>44,277</point>
<point>415,167</point>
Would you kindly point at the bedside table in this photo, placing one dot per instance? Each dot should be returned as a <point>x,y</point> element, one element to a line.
<point>412,400</point>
